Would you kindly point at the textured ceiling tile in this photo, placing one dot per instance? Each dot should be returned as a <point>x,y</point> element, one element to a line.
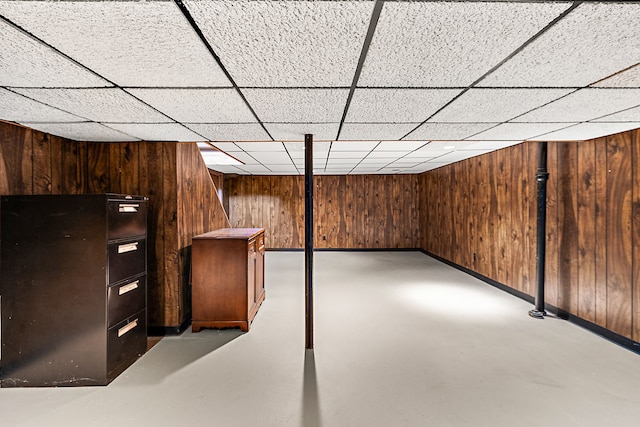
<point>101,105</point>
<point>156,131</point>
<point>198,105</point>
<point>270,157</point>
<point>17,108</point>
<point>262,146</point>
<point>297,131</point>
<point>496,105</point>
<point>517,131</point>
<point>353,145</point>
<point>489,145</point>
<point>435,44</point>
<point>82,131</point>
<point>630,115</point>
<point>230,131</point>
<point>397,105</point>
<point>372,131</point>
<point>592,42</point>
<point>131,43</point>
<point>628,78</point>
<point>25,62</point>
<point>451,131</point>
<point>584,105</point>
<point>297,105</point>
<point>227,147</point>
<point>285,43</point>
<point>584,131</point>
<point>457,156</point>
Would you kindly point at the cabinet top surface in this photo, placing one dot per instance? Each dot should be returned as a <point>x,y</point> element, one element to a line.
<point>231,233</point>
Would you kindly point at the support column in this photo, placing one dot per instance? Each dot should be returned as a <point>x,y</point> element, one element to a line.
<point>541,224</point>
<point>308,239</point>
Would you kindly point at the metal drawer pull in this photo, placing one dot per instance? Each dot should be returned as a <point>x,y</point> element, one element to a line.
<point>129,247</point>
<point>127,207</point>
<point>127,328</point>
<point>128,288</point>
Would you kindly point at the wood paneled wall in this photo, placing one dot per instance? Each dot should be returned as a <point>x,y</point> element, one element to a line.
<point>182,197</point>
<point>352,211</point>
<point>481,215</point>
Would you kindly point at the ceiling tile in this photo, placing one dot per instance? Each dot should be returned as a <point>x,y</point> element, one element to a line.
<point>101,105</point>
<point>286,43</point>
<point>132,43</point>
<point>584,105</point>
<point>333,155</point>
<point>400,145</point>
<point>17,108</point>
<point>244,157</point>
<point>198,105</point>
<point>517,131</point>
<point>590,43</point>
<point>156,131</point>
<point>228,169</point>
<point>436,44</point>
<point>397,105</point>
<point>373,131</point>
<point>450,131</point>
<point>496,105</point>
<point>489,145</point>
<point>227,147</point>
<point>457,156</point>
<point>630,115</point>
<point>628,78</point>
<point>230,131</point>
<point>271,157</point>
<point>297,131</point>
<point>377,154</point>
<point>262,146</point>
<point>82,131</point>
<point>584,131</point>
<point>353,145</point>
<point>255,169</point>
<point>297,105</point>
<point>336,161</point>
<point>26,62</point>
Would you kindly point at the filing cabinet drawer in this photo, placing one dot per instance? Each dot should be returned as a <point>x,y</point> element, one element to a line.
<point>125,299</point>
<point>126,340</point>
<point>126,259</point>
<point>127,218</point>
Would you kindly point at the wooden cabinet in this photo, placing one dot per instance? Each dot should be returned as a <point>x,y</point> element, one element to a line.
<point>227,278</point>
<point>73,287</point>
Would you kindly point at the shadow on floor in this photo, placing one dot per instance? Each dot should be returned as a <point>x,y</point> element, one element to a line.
<point>310,398</point>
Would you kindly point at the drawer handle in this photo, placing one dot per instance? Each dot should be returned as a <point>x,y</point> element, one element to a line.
<point>128,207</point>
<point>129,247</point>
<point>126,328</point>
<point>128,288</point>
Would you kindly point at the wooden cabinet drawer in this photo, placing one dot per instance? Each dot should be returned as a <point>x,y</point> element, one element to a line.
<point>126,340</point>
<point>126,259</point>
<point>127,218</point>
<point>125,299</point>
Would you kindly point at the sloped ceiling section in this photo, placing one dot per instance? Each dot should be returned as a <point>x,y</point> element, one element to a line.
<point>384,86</point>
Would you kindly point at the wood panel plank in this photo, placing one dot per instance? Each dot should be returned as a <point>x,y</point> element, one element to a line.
<point>530,202</point>
<point>98,159</point>
<point>16,153</point>
<point>601,173</point>
<point>516,264</point>
<point>115,168</point>
<point>171,288</point>
<point>42,160</point>
<point>56,164</point>
<point>635,144</point>
<point>567,227</point>
<point>551,258</point>
<point>619,242</point>
<point>503,201</point>
<point>70,167</point>
<point>267,208</point>
<point>586,229</point>
<point>130,162</point>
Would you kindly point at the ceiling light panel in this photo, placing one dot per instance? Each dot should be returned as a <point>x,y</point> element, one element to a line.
<point>82,131</point>
<point>592,42</point>
<point>17,108</point>
<point>372,131</point>
<point>297,105</point>
<point>297,131</point>
<point>131,43</point>
<point>101,105</point>
<point>628,78</point>
<point>285,43</point>
<point>397,105</point>
<point>26,62</point>
<point>230,131</point>
<point>584,131</point>
<point>157,131</point>
<point>517,131</point>
<point>448,131</point>
<point>198,105</point>
<point>496,105</point>
<point>440,44</point>
<point>584,105</point>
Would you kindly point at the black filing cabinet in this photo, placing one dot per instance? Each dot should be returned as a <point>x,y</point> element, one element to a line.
<point>73,280</point>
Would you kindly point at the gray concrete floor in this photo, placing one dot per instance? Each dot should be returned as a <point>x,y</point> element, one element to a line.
<point>400,340</point>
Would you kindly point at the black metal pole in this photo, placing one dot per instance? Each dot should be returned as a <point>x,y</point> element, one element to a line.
<point>541,224</point>
<point>308,238</point>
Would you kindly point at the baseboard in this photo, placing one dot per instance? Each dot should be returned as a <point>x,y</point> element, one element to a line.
<point>346,250</point>
<point>607,334</point>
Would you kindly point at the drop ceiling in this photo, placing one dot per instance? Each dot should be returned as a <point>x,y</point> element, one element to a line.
<point>384,86</point>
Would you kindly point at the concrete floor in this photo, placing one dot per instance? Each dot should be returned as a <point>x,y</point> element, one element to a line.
<point>401,340</point>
